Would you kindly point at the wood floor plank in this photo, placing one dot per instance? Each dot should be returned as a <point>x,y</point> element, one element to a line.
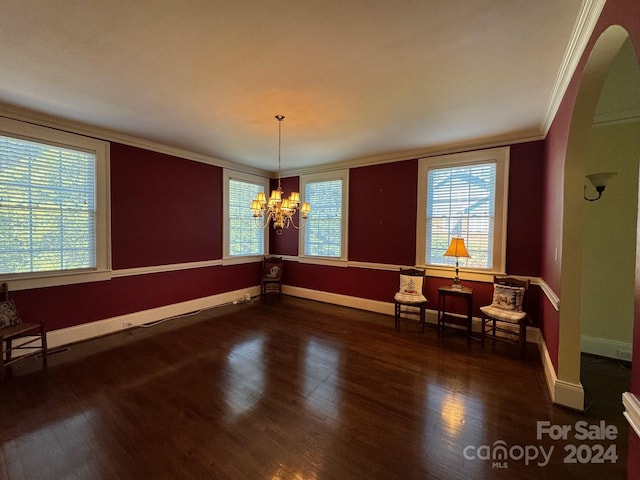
<point>293,389</point>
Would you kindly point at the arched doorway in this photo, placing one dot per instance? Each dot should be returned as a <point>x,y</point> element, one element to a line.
<point>578,276</point>
<point>609,235</point>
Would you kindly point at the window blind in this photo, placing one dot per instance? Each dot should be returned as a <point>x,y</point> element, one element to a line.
<point>461,203</point>
<point>323,231</point>
<point>245,237</point>
<point>47,207</point>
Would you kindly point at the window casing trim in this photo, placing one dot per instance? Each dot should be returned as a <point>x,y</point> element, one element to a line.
<point>342,175</point>
<point>228,175</point>
<point>58,138</point>
<point>501,158</point>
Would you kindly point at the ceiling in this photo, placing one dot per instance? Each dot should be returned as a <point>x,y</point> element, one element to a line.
<point>355,79</point>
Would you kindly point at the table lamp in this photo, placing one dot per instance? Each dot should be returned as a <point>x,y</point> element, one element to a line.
<point>457,249</point>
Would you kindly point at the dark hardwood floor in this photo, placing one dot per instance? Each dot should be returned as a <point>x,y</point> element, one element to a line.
<point>295,390</point>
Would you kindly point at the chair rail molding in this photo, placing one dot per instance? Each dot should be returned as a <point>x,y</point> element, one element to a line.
<point>548,292</point>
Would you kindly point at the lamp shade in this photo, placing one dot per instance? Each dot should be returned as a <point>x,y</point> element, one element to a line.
<point>294,197</point>
<point>275,195</point>
<point>306,208</point>
<point>457,249</point>
<point>601,179</point>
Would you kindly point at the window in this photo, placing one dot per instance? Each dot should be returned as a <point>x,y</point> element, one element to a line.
<point>324,233</point>
<point>52,202</point>
<point>463,195</point>
<point>243,235</point>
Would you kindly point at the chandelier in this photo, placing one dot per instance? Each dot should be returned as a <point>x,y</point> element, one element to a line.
<point>278,209</point>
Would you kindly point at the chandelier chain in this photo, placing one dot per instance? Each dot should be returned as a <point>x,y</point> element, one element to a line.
<point>280,118</point>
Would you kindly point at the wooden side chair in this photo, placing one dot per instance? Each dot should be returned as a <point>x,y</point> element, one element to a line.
<point>28,336</point>
<point>506,314</point>
<point>410,297</point>
<point>271,277</point>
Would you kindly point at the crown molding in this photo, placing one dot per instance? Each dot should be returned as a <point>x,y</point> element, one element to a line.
<point>582,31</point>
<point>460,147</point>
<point>45,120</point>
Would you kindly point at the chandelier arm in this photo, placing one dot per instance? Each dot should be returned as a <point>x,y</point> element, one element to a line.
<point>260,223</point>
<point>296,226</point>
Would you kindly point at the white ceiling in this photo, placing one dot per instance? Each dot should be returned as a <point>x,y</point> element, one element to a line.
<point>355,78</point>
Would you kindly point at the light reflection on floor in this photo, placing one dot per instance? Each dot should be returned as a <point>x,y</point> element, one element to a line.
<point>455,418</point>
<point>245,376</point>
<point>321,363</point>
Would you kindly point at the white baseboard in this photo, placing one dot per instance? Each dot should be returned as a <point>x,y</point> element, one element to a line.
<point>339,299</point>
<point>562,393</point>
<point>78,333</point>
<point>386,308</point>
<point>606,348</point>
<point>569,395</point>
<point>65,336</point>
<point>86,331</point>
<point>549,370</point>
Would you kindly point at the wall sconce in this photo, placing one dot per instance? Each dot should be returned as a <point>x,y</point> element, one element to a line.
<point>599,181</point>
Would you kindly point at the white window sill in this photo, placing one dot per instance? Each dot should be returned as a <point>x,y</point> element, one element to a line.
<point>241,260</point>
<point>52,279</point>
<point>334,262</point>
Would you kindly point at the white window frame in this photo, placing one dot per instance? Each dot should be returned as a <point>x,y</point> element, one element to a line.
<point>325,177</point>
<point>501,158</point>
<point>59,138</point>
<point>249,178</point>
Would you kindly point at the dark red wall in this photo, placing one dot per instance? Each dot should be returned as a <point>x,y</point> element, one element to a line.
<point>382,213</point>
<point>357,282</point>
<point>524,217</point>
<point>287,242</point>
<point>164,209</point>
<point>552,229</point>
<point>70,305</point>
